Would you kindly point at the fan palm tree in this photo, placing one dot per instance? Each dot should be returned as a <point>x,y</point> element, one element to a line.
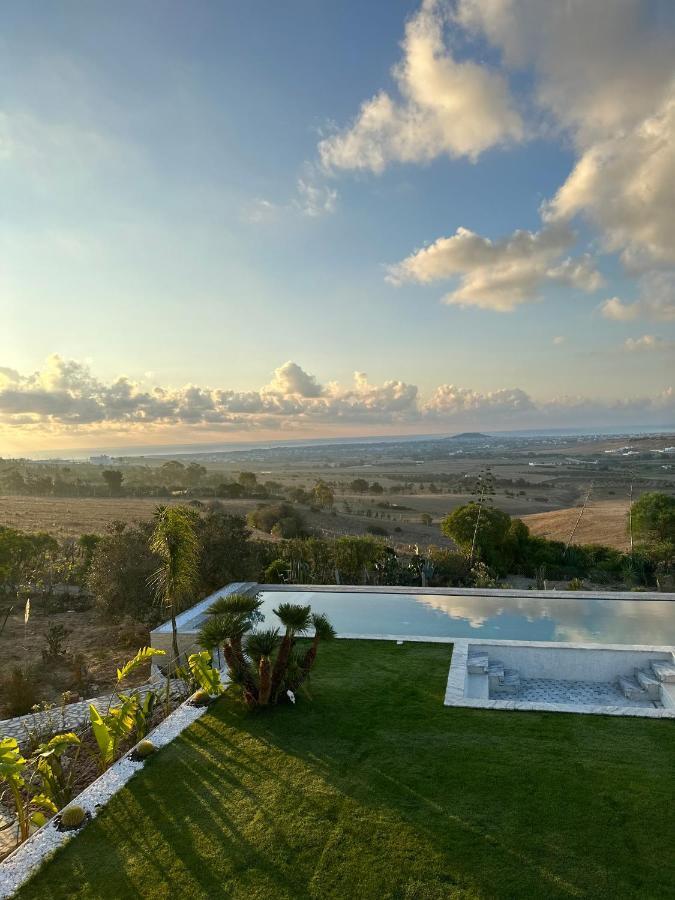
<point>174,539</point>
<point>260,646</point>
<point>295,619</point>
<point>323,631</point>
<point>237,607</point>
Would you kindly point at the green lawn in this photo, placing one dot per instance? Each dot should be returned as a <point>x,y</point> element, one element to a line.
<point>375,789</point>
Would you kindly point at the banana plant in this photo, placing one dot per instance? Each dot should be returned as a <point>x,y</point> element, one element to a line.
<point>57,780</point>
<point>115,726</point>
<point>30,805</point>
<point>201,669</point>
<point>143,655</point>
<point>144,712</point>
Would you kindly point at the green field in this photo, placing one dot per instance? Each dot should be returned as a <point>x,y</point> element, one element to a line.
<point>375,789</point>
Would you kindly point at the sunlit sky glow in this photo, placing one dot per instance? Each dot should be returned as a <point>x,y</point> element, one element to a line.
<point>237,221</point>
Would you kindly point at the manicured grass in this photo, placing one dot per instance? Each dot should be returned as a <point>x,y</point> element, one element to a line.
<point>375,789</point>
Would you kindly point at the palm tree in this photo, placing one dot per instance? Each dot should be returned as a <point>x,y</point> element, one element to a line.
<point>295,619</point>
<point>260,645</point>
<point>323,631</point>
<point>174,539</point>
<point>237,607</point>
<point>224,631</point>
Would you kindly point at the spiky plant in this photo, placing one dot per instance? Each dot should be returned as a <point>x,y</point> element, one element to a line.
<point>144,749</point>
<point>174,539</point>
<point>295,619</point>
<point>241,604</point>
<point>72,817</point>
<point>226,630</point>
<point>260,645</point>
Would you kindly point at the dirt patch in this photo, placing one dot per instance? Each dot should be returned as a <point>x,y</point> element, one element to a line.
<point>104,646</point>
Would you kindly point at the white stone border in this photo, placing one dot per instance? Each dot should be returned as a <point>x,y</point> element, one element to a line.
<point>23,862</point>
<point>454,691</point>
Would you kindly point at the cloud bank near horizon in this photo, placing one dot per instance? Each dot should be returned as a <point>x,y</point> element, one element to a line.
<point>65,399</point>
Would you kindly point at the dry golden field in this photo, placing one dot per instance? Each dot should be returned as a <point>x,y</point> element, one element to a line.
<point>71,516</point>
<point>604,522</point>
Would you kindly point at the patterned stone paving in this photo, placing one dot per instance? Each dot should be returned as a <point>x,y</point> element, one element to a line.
<point>584,693</point>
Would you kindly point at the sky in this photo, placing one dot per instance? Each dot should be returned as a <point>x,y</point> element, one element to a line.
<point>238,221</point>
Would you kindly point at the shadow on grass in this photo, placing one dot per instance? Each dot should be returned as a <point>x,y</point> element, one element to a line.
<point>374,789</point>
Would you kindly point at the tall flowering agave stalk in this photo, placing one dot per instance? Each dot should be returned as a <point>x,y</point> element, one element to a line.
<point>263,662</point>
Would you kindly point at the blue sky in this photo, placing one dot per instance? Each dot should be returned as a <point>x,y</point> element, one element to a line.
<point>195,194</point>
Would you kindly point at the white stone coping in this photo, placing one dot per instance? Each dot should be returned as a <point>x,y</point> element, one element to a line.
<point>461,592</point>
<point>23,862</point>
<point>185,621</point>
<point>454,691</point>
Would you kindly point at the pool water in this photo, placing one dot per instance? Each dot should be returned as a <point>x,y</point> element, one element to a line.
<point>564,618</point>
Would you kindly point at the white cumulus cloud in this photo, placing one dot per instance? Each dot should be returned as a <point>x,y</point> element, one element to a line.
<point>499,275</point>
<point>656,300</point>
<point>65,398</point>
<point>445,106</point>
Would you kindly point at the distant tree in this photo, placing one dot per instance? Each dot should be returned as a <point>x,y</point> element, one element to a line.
<point>358,486</point>
<point>299,495</point>
<point>227,554</point>
<point>173,472</point>
<point>230,490</point>
<point>323,495</point>
<point>273,487</point>
<point>117,576</point>
<point>113,478</point>
<point>654,517</point>
<point>14,483</point>
<point>426,519</point>
<point>248,480</point>
<point>195,474</point>
<point>376,488</point>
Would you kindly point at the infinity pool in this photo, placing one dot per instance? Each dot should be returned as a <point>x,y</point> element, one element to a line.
<point>564,618</point>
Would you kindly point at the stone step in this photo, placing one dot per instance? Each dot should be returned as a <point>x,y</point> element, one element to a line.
<point>663,670</point>
<point>649,683</point>
<point>477,664</point>
<point>509,683</point>
<point>631,689</point>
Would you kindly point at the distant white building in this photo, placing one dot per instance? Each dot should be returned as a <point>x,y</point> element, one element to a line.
<point>102,460</point>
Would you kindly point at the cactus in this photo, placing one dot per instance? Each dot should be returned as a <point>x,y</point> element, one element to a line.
<point>72,817</point>
<point>200,698</point>
<point>144,749</point>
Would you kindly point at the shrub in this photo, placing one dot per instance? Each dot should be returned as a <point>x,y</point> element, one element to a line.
<point>72,817</point>
<point>576,584</point>
<point>19,692</point>
<point>56,636</point>
<point>283,515</point>
<point>451,569</point>
<point>377,530</point>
